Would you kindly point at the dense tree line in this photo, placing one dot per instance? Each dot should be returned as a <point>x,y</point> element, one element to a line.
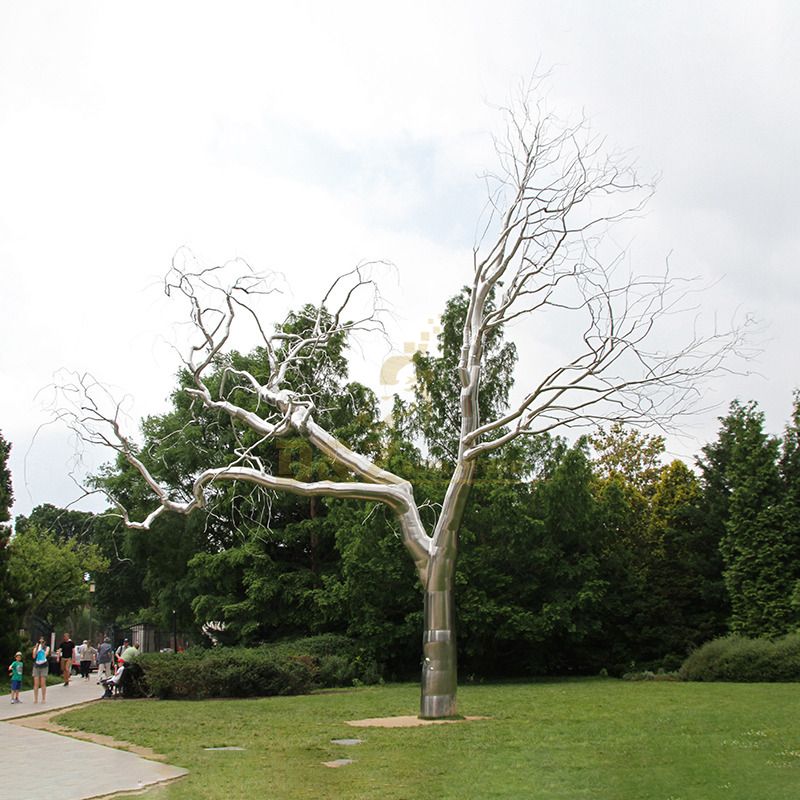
<point>9,589</point>
<point>574,557</point>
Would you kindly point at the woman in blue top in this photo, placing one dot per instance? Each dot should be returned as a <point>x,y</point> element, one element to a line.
<point>41,654</point>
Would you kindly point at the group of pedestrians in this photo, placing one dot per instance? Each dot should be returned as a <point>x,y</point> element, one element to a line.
<point>110,664</point>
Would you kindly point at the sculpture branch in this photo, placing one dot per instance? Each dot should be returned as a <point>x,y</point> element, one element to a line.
<point>546,254</point>
<point>541,251</point>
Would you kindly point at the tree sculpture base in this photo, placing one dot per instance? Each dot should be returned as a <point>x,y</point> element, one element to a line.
<point>438,706</point>
<point>439,672</point>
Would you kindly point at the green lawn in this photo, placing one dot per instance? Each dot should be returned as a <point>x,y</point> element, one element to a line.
<point>595,738</point>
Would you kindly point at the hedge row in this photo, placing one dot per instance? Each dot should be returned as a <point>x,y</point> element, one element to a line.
<point>286,668</point>
<point>737,658</point>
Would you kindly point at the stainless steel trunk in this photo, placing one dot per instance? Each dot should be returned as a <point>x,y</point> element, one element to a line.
<point>439,668</point>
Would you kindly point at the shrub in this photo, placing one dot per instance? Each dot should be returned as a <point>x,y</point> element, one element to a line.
<point>649,675</point>
<point>738,658</point>
<point>286,668</point>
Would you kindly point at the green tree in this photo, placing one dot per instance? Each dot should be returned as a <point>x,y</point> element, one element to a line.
<point>530,587</point>
<point>437,388</point>
<point>686,594</point>
<point>629,453</point>
<point>621,520</point>
<point>759,554</point>
<point>373,596</point>
<point>9,589</point>
<point>790,505</point>
<point>714,465</point>
<point>120,589</point>
<point>627,467</point>
<point>278,549</point>
<point>537,255</point>
<point>65,523</point>
<point>6,490</point>
<point>52,573</point>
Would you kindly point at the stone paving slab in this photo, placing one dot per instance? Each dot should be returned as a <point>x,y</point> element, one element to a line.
<point>78,692</point>
<point>81,770</point>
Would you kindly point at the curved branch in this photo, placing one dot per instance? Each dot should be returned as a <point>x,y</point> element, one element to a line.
<point>399,497</point>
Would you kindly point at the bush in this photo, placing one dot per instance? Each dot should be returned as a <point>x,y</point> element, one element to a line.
<point>740,659</point>
<point>649,675</point>
<point>286,668</point>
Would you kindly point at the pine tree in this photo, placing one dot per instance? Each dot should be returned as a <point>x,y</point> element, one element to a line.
<point>9,621</point>
<point>688,603</point>
<point>6,492</point>
<point>790,507</point>
<point>757,553</point>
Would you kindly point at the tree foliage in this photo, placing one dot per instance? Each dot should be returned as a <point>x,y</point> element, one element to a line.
<point>9,589</point>
<point>687,598</point>
<point>52,573</point>
<point>6,491</point>
<point>750,480</point>
<point>539,254</point>
<point>629,453</point>
<point>437,386</point>
<point>574,559</point>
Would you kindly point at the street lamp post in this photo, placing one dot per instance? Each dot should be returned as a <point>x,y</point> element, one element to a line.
<point>91,621</point>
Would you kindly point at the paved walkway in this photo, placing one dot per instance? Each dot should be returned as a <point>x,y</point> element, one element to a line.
<point>58,696</point>
<point>81,770</point>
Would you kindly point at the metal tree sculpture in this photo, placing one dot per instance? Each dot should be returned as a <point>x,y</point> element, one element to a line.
<point>550,203</point>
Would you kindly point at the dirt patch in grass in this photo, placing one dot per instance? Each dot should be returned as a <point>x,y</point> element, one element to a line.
<point>405,722</point>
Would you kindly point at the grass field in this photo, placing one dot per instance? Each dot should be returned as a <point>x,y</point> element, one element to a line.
<point>595,738</point>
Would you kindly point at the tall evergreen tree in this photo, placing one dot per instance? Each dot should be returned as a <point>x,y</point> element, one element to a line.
<point>9,590</point>
<point>757,551</point>
<point>686,593</point>
<point>438,386</point>
<point>790,506</point>
<point>6,491</point>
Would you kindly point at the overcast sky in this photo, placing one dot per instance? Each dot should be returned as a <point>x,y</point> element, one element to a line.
<point>308,136</point>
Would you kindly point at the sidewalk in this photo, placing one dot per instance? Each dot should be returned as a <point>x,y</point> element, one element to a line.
<point>82,770</point>
<point>58,696</point>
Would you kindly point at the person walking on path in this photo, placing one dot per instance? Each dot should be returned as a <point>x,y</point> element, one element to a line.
<point>15,670</point>
<point>88,655</point>
<point>41,654</point>
<point>65,651</point>
<point>105,654</point>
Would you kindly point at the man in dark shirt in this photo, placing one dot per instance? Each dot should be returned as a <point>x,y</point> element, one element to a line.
<point>67,646</point>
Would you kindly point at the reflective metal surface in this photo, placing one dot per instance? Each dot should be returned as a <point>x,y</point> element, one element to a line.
<point>439,667</point>
<point>439,651</point>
